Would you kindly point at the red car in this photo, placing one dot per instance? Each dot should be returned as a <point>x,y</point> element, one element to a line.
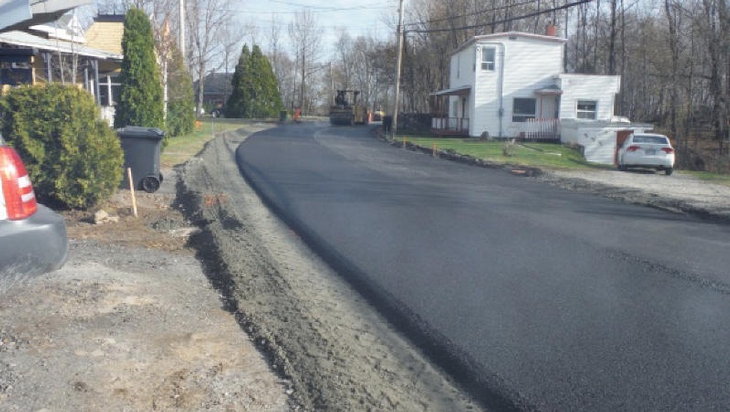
<point>32,237</point>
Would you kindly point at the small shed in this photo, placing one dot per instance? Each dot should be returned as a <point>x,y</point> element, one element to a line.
<point>600,139</point>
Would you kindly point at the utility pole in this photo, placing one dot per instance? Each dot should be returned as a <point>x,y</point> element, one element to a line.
<point>397,70</point>
<point>182,28</point>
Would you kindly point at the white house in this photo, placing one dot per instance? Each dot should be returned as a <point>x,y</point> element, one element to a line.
<point>513,85</point>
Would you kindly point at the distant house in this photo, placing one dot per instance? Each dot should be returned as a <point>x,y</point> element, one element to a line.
<point>216,89</point>
<point>106,33</point>
<point>512,85</point>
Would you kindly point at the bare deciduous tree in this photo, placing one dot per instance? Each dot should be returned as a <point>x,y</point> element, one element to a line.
<point>206,19</point>
<point>306,37</point>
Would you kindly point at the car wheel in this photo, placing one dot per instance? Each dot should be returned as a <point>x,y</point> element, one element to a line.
<point>668,171</point>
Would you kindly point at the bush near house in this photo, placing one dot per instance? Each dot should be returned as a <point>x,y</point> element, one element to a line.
<point>73,159</point>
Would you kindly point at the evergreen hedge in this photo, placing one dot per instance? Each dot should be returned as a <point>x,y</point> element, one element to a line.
<point>255,93</point>
<point>180,104</point>
<point>73,159</point>
<point>140,100</point>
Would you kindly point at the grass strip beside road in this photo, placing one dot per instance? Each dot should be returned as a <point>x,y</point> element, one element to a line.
<point>181,148</point>
<point>540,155</point>
<point>545,155</point>
<point>712,177</point>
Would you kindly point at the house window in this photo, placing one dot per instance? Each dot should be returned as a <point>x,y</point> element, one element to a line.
<point>523,109</point>
<point>109,90</point>
<point>587,109</point>
<point>488,58</point>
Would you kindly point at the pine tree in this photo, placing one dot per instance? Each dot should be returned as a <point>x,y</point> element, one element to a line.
<point>255,92</point>
<point>238,104</point>
<point>267,100</point>
<point>180,116</point>
<point>140,101</point>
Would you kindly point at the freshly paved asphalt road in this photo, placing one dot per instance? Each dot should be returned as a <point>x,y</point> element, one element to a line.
<point>535,297</point>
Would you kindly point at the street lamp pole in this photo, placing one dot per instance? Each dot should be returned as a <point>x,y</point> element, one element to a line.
<point>398,65</point>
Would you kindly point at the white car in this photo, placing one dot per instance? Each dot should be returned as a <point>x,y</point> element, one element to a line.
<point>647,150</point>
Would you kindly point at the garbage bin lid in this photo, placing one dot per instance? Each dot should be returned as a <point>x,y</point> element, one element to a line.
<point>141,132</point>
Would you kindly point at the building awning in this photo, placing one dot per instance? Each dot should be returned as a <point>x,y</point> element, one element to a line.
<point>553,90</point>
<point>21,14</point>
<point>456,91</point>
<point>23,39</point>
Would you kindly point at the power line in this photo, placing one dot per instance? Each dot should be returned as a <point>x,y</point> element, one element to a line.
<point>525,16</point>
<point>476,13</point>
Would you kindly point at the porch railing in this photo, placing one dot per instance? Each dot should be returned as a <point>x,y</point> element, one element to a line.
<point>450,125</point>
<point>538,129</point>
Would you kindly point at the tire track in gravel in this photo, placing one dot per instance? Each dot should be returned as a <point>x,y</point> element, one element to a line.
<point>333,347</point>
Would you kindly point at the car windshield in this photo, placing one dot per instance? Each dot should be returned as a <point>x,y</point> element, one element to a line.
<point>650,139</point>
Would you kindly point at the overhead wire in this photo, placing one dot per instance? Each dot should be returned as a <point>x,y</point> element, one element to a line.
<point>502,21</point>
<point>475,13</point>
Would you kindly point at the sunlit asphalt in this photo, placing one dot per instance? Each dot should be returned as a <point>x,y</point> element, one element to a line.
<point>532,296</point>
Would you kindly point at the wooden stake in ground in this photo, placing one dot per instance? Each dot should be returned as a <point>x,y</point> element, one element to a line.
<point>131,190</point>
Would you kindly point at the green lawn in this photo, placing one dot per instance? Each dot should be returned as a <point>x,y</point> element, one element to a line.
<point>712,177</point>
<point>522,154</point>
<point>180,148</point>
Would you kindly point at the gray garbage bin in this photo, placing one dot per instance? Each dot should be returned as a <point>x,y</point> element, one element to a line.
<point>141,146</point>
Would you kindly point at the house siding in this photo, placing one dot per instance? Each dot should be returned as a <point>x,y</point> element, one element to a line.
<point>529,64</point>
<point>602,89</point>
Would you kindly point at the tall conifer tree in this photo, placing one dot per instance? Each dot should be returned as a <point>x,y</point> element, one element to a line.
<point>140,101</point>
<point>255,93</point>
<point>267,100</point>
<point>180,116</point>
<point>238,104</point>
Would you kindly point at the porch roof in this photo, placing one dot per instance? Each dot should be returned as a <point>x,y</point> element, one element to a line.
<point>553,89</point>
<point>455,91</point>
<point>18,15</point>
<point>19,38</point>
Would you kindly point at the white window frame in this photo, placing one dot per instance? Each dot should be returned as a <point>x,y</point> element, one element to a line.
<point>489,58</point>
<point>586,113</point>
<point>109,84</point>
<point>523,117</point>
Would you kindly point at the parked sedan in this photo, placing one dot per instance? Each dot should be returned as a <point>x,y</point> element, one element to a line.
<point>647,150</point>
<point>32,237</point>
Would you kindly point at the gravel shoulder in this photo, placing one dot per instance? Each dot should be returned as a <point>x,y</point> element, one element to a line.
<point>132,322</point>
<point>679,193</point>
<point>337,352</point>
<point>207,302</point>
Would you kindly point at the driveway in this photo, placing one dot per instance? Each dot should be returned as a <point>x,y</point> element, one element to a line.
<point>680,192</point>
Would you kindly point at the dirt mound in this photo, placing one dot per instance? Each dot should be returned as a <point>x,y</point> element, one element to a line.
<point>338,353</point>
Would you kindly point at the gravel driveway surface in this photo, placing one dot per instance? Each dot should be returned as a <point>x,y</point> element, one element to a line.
<point>240,317</point>
<point>681,192</point>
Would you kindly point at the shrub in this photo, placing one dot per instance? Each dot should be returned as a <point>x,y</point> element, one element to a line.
<point>73,159</point>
